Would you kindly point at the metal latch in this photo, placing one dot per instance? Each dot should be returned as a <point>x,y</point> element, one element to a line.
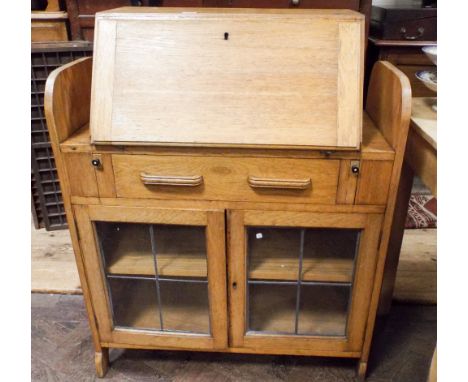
<point>355,166</point>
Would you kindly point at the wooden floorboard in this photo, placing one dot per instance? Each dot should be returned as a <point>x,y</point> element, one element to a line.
<point>53,267</point>
<point>62,351</point>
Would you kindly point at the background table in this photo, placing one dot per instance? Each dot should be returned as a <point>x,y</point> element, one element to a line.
<point>420,159</point>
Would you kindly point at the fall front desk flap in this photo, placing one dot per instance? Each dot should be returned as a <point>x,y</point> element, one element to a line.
<point>228,77</point>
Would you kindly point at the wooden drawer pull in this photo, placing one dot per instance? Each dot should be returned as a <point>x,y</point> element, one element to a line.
<point>167,180</point>
<point>291,184</point>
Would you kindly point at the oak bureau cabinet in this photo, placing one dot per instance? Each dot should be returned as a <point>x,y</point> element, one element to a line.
<point>234,195</point>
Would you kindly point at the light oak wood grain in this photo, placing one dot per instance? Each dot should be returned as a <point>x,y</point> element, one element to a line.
<point>83,180</point>
<point>389,105</point>
<point>103,77</point>
<point>226,178</point>
<point>207,204</point>
<point>101,362</point>
<point>217,277</point>
<point>284,268</point>
<point>105,176</point>
<point>283,350</point>
<point>374,147</point>
<point>67,86</point>
<point>373,182</point>
<point>277,77</point>
<point>347,183</point>
<point>236,246</point>
<point>350,83</point>
<point>180,318</point>
<point>120,196</point>
<point>362,286</point>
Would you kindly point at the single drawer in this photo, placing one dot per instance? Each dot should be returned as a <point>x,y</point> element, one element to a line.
<point>223,178</point>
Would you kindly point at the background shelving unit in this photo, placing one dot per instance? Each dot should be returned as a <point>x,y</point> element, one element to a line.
<point>46,196</point>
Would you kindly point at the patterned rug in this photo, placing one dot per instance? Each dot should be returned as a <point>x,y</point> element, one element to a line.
<point>422,211</point>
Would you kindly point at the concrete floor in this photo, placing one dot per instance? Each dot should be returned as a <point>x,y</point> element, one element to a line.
<point>62,351</point>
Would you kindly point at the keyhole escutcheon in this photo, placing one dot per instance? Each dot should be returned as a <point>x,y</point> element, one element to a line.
<point>226,35</point>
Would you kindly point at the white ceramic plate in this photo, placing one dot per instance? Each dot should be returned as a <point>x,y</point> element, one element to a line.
<point>431,52</point>
<point>428,78</point>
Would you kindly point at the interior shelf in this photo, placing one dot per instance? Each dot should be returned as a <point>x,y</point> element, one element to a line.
<point>131,263</point>
<point>324,270</point>
<point>328,255</point>
<point>180,252</point>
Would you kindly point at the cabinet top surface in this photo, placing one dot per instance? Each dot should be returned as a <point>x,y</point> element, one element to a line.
<point>374,146</point>
<point>230,77</point>
<point>191,12</point>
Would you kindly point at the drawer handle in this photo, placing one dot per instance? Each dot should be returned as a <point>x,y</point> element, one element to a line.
<point>167,180</point>
<point>290,184</point>
<point>414,37</point>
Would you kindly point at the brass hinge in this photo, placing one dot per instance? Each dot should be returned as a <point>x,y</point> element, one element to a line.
<point>327,153</point>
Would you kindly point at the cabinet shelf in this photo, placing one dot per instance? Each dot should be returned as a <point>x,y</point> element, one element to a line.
<point>180,252</point>
<point>328,255</point>
<point>325,270</point>
<point>130,263</point>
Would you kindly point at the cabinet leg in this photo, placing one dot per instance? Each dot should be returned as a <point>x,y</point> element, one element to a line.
<point>361,370</point>
<point>101,360</point>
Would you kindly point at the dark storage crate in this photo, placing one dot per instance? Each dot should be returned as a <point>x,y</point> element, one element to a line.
<point>411,23</point>
<point>46,198</point>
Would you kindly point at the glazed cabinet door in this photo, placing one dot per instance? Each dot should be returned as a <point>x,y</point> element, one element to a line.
<point>300,282</point>
<point>157,276</point>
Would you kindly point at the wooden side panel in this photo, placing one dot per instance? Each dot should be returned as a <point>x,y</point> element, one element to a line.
<point>346,184</point>
<point>81,175</point>
<point>389,106</point>
<point>374,182</point>
<point>66,87</point>
<point>350,83</point>
<point>384,103</point>
<point>396,239</point>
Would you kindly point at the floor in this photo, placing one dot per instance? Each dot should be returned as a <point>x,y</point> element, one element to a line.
<point>62,351</point>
